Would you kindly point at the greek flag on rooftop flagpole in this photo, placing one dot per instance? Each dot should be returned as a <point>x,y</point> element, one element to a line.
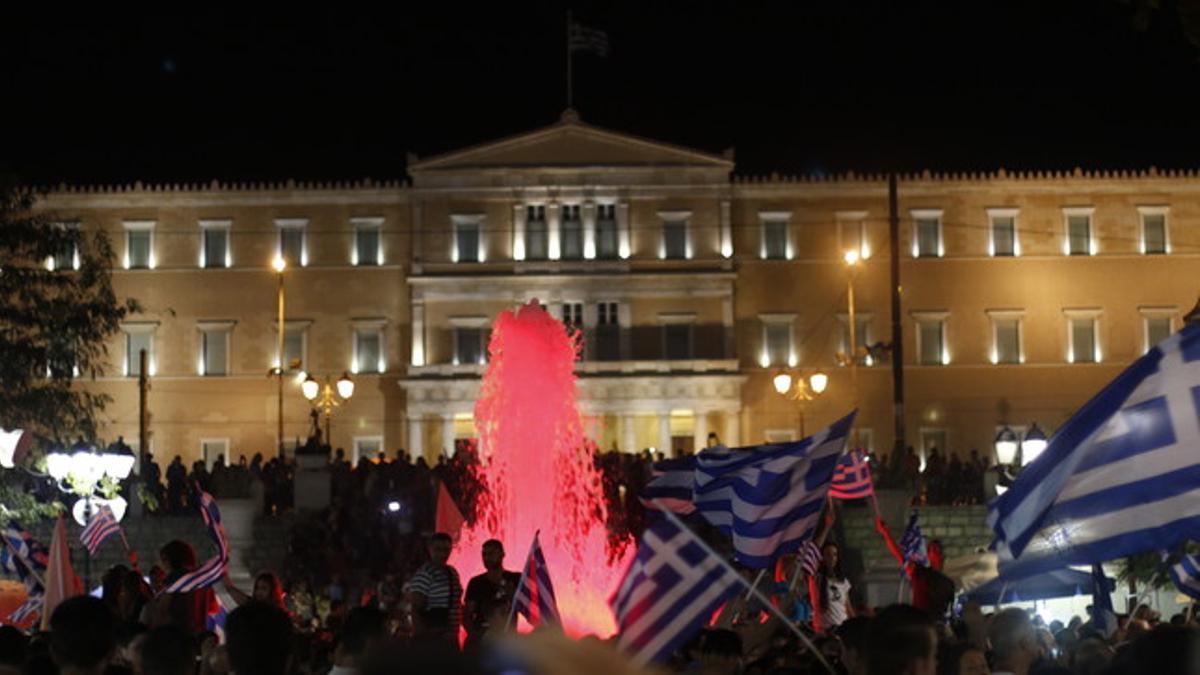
<point>1122,476</point>
<point>769,498</point>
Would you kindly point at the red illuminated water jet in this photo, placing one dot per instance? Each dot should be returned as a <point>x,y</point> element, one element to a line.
<point>538,473</point>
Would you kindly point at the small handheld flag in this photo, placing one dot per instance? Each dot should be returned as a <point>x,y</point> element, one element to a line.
<point>213,570</point>
<point>912,544</point>
<point>534,598</point>
<point>1186,575</point>
<point>102,526</point>
<point>852,477</point>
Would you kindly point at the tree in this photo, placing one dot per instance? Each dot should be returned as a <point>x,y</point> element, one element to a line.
<point>57,313</point>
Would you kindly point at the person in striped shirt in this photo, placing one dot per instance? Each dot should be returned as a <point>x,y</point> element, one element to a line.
<point>437,595</point>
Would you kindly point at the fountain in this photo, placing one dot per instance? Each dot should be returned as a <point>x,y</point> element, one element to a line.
<point>537,473</point>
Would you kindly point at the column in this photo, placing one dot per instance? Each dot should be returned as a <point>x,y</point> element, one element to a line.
<point>416,231</point>
<point>727,324</point>
<point>589,230</point>
<point>416,437</point>
<point>418,333</point>
<point>733,428</point>
<point>699,429</point>
<point>726,229</point>
<point>553,227</point>
<point>625,323</point>
<point>448,435</point>
<point>628,435</point>
<point>664,433</point>
<point>624,240</point>
<point>518,242</point>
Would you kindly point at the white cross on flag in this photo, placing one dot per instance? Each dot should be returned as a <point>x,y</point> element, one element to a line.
<point>1121,477</point>
<point>673,586</point>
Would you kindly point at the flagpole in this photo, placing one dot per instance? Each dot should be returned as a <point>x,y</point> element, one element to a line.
<point>570,83</point>
<point>512,612</point>
<point>753,591</point>
<point>24,561</point>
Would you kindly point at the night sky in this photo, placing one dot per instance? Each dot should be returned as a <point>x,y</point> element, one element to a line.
<point>895,85</point>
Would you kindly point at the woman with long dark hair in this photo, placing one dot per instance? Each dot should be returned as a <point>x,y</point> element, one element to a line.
<point>834,589</point>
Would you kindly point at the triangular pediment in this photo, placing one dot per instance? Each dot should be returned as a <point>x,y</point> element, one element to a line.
<point>571,143</point>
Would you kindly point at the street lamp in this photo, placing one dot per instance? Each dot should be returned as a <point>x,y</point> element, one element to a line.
<point>805,389</point>
<point>323,398</point>
<point>1006,447</point>
<point>279,265</point>
<point>81,470</point>
<point>1033,445</point>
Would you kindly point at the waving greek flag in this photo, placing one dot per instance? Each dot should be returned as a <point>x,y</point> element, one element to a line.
<point>1122,476</point>
<point>1186,575</point>
<point>769,498</point>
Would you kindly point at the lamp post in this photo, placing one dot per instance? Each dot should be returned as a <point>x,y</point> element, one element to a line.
<point>80,471</point>
<point>852,263</point>
<point>280,265</point>
<point>323,398</point>
<point>803,390</point>
<point>1007,444</point>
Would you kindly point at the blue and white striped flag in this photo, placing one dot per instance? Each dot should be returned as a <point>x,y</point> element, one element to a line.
<point>1121,477</point>
<point>1186,575</point>
<point>671,485</point>
<point>671,589</point>
<point>534,598</point>
<point>912,544</point>
<point>27,559</point>
<point>213,570</point>
<point>102,526</point>
<point>769,498</point>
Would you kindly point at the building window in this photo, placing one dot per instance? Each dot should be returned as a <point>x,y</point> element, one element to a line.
<point>368,242</point>
<point>931,339</point>
<point>933,439</point>
<point>537,238</point>
<point>677,335</point>
<point>674,235</point>
<point>862,335</point>
<point>777,347</point>
<point>1079,231</point>
<point>1006,338</point>
<point>366,448</point>
<point>1158,325</point>
<point>139,245</point>
<point>927,233</point>
<point>1082,347</point>
<point>467,241</point>
<point>67,257</point>
<point>214,350</point>
<point>293,247</point>
<point>214,244</point>
<point>1154,230</point>
<point>1004,232</point>
<point>606,231</point>
<point>137,341</point>
<point>572,315</point>
<point>571,233</point>
<point>295,341</point>
<point>368,349</point>
<point>608,332</point>
<point>775,245</point>
<point>852,234</point>
<point>212,449</point>
<point>468,346</point>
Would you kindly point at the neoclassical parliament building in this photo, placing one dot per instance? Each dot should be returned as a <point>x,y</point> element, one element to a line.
<point>693,285</point>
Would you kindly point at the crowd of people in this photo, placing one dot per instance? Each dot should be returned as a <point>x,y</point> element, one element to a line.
<point>436,623</point>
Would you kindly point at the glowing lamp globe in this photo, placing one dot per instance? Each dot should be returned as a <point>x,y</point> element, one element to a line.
<point>851,257</point>
<point>279,264</point>
<point>782,382</point>
<point>58,465</point>
<point>117,504</point>
<point>1006,446</point>
<point>345,386</point>
<point>310,387</point>
<point>818,382</point>
<point>87,467</point>
<point>117,463</point>
<point>1035,442</point>
<point>14,445</point>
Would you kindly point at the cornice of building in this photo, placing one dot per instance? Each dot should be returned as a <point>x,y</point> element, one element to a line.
<point>999,175</point>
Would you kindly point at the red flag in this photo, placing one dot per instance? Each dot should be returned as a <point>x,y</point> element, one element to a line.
<point>449,519</point>
<point>61,582</point>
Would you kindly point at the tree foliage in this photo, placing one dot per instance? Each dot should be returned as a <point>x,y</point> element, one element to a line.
<point>55,319</point>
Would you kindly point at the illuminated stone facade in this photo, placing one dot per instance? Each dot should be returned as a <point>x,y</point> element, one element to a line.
<point>1022,294</point>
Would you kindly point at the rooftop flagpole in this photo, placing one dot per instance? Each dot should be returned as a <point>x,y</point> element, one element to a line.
<point>570,74</point>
